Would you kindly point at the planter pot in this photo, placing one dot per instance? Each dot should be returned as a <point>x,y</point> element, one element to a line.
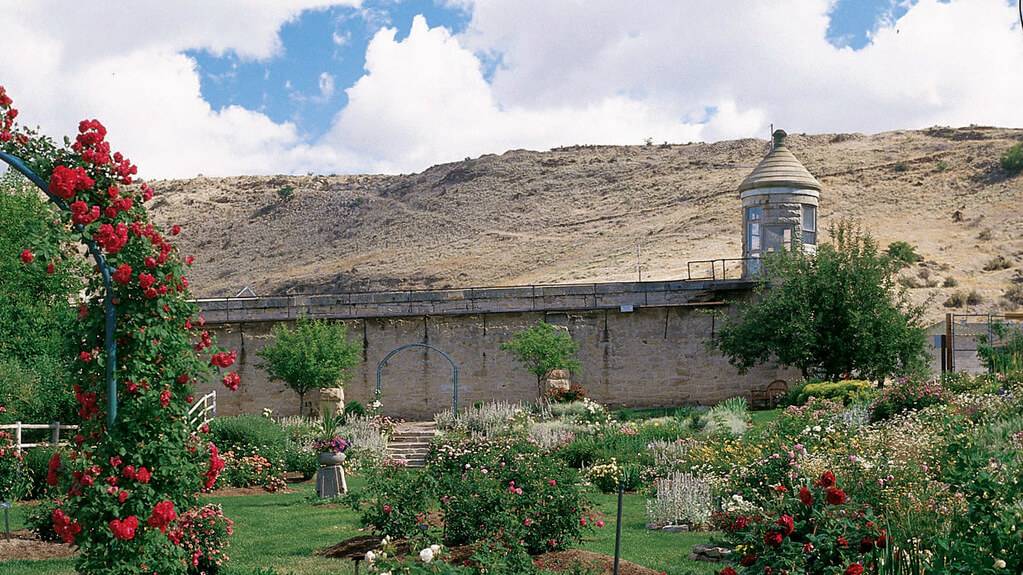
<point>330,458</point>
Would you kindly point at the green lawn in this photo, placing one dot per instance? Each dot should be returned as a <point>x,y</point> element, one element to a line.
<point>283,530</point>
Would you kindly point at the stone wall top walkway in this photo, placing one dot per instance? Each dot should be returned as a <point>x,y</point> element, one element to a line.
<point>552,298</point>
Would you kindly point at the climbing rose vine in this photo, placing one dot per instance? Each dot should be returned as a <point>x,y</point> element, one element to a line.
<point>124,489</point>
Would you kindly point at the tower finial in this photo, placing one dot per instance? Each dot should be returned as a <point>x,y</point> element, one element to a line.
<point>779,137</point>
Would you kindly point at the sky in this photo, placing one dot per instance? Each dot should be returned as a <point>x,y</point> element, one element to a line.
<point>394,86</point>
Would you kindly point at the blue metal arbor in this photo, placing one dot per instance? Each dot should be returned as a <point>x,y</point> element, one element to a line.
<point>110,309</point>
<point>454,369</point>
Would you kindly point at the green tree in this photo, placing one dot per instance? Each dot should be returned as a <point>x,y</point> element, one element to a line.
<point>36,315</point>
<point>839,312</point>
<point>903,253</point>
<point>314,355</point>
<point>543,348</point>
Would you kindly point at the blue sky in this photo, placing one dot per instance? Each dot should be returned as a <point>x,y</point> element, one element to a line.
<point>333,41</point>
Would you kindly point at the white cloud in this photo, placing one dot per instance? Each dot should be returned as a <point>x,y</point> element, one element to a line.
<point>326,83</point>
<point>125,65</point>
<point>601,71</point>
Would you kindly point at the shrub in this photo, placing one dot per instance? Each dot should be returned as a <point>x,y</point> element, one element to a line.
<point>905,395</point>
<point>250,434</point>
<point>974,298</point>
<point>1012,159</point>
<point>730,416</point>
<point>903,252</point>
<point>680,499</point>
<point>997,263</point>
<point>203,533</point>
<point>810,528</point>
<point>607,475</point>
<point>494,418</point>
<point>39,519</point>
<point>368,438</point>
<point>251,470</point>
<point>950,282</point>
<point>15,482</point>
<point>550,435</point>
<point>354,409</point>
<point>575,392</point>
<point>398,500</point>
<point>1002,353</point>
<point>37,461</point>
<point>1014,294</point>
<point>300,458</point>
<point>527,498</point>
<point>845,391</point>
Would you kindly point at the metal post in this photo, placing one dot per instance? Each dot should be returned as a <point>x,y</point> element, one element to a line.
<point>618,528</point>
<point>110,310</point>
<point>17,435</point>
<point>7,520</point>
<point>55,434</point>
<point>949,343</point>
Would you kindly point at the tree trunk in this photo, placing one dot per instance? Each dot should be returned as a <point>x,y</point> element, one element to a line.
<point>301,402</point>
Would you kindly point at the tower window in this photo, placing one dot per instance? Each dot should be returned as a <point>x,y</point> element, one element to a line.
<point>753,216</point>
<point>810,225</point>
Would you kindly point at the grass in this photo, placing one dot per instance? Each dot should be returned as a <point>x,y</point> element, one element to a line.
<point>283,530</point>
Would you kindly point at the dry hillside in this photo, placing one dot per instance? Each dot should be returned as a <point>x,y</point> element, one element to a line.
<point>578,214</point>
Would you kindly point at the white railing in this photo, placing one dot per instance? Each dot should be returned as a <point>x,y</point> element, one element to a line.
<point>203,410</point>
<point>55,428</point>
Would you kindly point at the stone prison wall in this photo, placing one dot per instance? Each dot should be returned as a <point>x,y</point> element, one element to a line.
<point>632,355</point>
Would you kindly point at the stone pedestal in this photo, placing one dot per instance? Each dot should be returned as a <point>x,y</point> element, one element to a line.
<point>330,481</point>
<point>332,401</point>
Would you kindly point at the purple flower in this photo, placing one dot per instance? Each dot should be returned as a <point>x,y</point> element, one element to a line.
<point>336,444</point>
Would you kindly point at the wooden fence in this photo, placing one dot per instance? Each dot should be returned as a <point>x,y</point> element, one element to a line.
<point>17,430</point>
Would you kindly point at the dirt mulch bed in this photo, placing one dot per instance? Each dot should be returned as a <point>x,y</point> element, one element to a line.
<point>24,545</point>
<point>559,561</point>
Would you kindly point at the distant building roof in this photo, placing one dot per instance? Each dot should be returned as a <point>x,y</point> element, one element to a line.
<point>780,169</point>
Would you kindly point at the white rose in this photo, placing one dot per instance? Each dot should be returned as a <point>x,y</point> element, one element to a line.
<point>426,555</point>
<point>370,557</point>
<point>1000,564</point>
<point>435,547</point>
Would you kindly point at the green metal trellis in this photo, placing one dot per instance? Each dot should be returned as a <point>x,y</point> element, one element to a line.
<point>110,309</point>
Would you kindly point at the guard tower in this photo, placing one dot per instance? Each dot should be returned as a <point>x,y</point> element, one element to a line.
<point>779,206</point>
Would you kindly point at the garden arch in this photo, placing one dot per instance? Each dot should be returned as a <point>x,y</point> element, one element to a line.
<point>110,309</point>
<point>397,350</point>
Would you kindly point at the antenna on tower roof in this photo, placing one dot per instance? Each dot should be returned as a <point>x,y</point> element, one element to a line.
<point>772,133</point>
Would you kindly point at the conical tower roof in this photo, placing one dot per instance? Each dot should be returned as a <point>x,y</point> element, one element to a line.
<point>780,169</point>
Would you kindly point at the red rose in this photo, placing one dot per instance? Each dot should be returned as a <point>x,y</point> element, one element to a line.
<point>835,496</point>
<point>805,496</point>
<point>142,475</point>
<point>165,397</point>
<point>232,380</point>
<point>882,539</point>
<point>27,256</point>
<point>787,524</point>
<point>51,469</point>
<point>128,472</point>
<point>387,509</point>
<point>163,513</point>
<point>842,541</point>
<point>50,268</point>
<point>122,496</point>
<point>223,359</point>
<point>146,280</point>
<point>65,528</point>
<point>827,479</point>
<point>773,538</point>
<point>123,274</point>
<point>866,545</point>
<point>854,569</point>
<point>175,230</point>
<point>124,529</point>
<point>727,571</point>
<point>808,548</point>
<point>747,560</point>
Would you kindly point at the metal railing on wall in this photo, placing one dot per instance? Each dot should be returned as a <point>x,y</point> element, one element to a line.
<point>720,269</point>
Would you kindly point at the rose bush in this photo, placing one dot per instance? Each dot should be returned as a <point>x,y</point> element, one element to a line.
<point>114,478</point>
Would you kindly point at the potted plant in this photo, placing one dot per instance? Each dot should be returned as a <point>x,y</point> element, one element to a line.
<point>332,450</point>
